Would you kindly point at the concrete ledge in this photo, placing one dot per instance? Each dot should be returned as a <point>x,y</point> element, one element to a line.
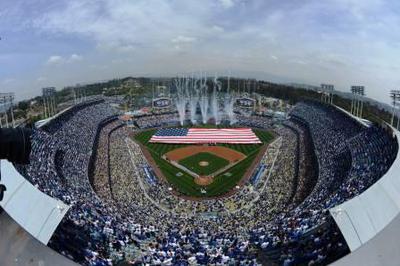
<point>17,247</point>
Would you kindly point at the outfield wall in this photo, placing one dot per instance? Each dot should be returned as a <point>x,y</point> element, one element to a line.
<point>364,216</point>
<point>38,213</point>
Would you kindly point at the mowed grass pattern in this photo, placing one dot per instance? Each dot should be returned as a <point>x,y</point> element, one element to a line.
<point>185,183</point>
<point>214,163</point>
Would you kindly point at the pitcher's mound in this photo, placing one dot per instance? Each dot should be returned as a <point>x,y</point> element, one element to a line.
<point>203,180</point>
<point>204,163</point>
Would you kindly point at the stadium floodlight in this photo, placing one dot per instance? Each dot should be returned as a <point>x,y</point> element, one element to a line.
<point>357,103</point>
<point>362,94</point>
<point>49,102</point>
<point>327,93</point>
<point>79,93</point>
<point>352,99</point>
<point>395,95</point>
<point>6,106</point>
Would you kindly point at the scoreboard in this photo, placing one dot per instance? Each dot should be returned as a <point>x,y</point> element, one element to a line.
<point>161,103</point>
<point>246,102</point>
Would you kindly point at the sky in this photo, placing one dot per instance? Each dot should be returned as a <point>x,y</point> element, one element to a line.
<point>65,42</point>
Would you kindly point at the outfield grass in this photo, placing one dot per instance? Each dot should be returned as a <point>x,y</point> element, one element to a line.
<point>185,183</point>
<point>214,163</point>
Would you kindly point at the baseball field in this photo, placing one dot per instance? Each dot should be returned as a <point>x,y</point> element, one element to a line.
<point>179,164</point>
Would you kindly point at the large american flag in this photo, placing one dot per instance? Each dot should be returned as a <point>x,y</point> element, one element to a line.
<point>205,135</point>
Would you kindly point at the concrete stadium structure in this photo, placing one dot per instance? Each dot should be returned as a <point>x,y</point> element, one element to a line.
<point>369,222</point>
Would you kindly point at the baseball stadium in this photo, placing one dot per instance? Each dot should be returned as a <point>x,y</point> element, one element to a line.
<point>201,176</point>
<point>199,132</point>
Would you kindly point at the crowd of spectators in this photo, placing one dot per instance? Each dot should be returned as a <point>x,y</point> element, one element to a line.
<point>152,121</point>
<point>320,158</point>
<point>59,120</point>
<point>100,176</point>
<point>350,159</point>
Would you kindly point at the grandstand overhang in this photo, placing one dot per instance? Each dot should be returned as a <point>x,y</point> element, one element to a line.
<point>363,122</point>
<point>364,216</point>
<point>43,122</point>
<point>38,213</point>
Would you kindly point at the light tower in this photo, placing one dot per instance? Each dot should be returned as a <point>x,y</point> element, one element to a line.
<point>357,104</point>
<point>353,91</point>
<point>327,93</point>
<point>49,101</point>
<point>79,93</point>
<point>6,105</point>
<point>395,95</point>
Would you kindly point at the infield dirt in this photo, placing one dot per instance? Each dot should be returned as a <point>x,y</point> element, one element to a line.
<point>223,152</point>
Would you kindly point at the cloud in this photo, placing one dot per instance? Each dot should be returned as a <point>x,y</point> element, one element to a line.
<point>118,47</point>
<point>55,60</point>
<point>227,3</point>
<point>274,57</point>
<point>75,58</point>
<point>183,39</point>
<point>217,28</point>
<point>41,79</point>
<point>126,25</point>
<point>299,62</point>
<point>60,60</point>
<point>343,39</point>
<point>8,81</point>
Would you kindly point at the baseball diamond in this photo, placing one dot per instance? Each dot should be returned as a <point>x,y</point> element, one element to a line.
<point>193,179</point>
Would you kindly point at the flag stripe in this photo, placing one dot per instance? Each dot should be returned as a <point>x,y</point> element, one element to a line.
<point>205,135</point>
